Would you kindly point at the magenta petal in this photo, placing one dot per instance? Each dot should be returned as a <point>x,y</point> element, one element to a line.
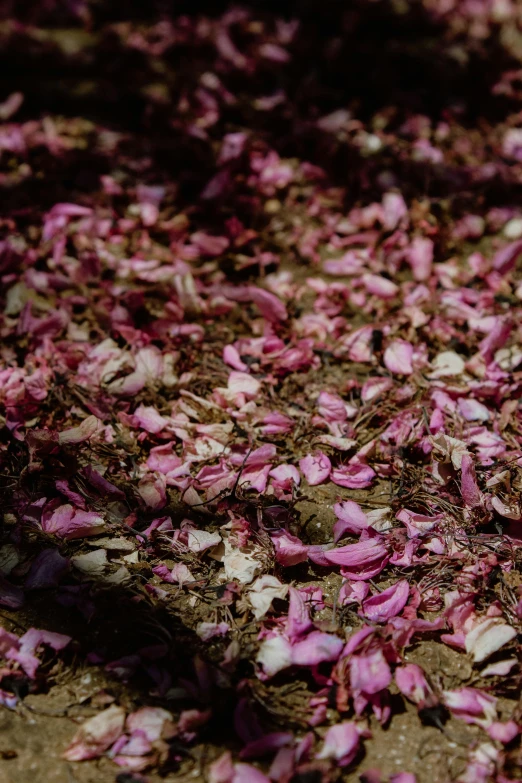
<point>379,608</point>
<point>360,554</point>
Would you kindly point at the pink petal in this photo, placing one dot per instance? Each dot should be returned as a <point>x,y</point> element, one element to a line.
<point>380,286</point>
<point>503,732</point>
<point>289,549</point>
<point>381,607</point>
<point>369,672</point>
<point>505,259</point>
<point>69,523</point>
<point>420,257</point>
<point>270,306</point>
<point>316,648</point>
<point>232,358</point>
<point>332,407</point>
<point>353,476</point>
<point>245,773</point>
<point>267,745</point>
<point>149,419</point>
<point>469,488</point>
<point>412,683</point>
<point>221,770</point>
<point>350,518</point>
<point>315,468</point>
<point>298,621</point>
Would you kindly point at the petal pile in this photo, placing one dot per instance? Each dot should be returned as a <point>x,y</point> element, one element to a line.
<point>260,374</point>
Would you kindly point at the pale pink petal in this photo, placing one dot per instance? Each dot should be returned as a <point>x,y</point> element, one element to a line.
<point>199,540</point>
<point>242,383</point>
<point>316,648</point>
<point>418,524</point>
<point>96,735</point>
<point>89,427</point>
<point>469,488</point>
<point>286,472</point>
<point>341,743</point>
<point>398,357</point>
<point>275,654</point>
<point>207,631</point>
<point>375,387</point>
<point>488,636</point>
<point>472,410</point>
